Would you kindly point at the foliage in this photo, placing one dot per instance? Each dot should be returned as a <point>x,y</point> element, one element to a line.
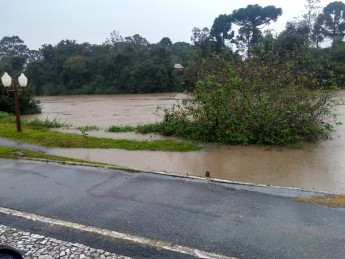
<point>312,21</point>
<point>251,18</point>
<point>220,29</point>
<point>151,128</point>
<point>117,128</point>
<point>333,21</point>
<point>28,105</point>
<point>264,100</point>
<point>120,65</point>
<point>45,123</point>
<point>7,118</point>
<point>89,128</point>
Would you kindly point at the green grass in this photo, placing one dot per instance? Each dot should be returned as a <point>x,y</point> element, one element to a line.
<point>7,118</point>
<point>44,137</point>
<point>12,153</point>
<point>150,128</point>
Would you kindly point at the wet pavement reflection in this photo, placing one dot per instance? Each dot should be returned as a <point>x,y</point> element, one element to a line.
<point>319,166</point>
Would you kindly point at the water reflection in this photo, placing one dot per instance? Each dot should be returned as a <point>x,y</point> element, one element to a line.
<point>319,166</point>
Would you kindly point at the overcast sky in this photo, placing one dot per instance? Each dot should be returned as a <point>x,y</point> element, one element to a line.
<point>49,21</point>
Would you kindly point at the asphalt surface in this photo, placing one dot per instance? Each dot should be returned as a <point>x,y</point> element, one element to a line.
<point>220,218</point>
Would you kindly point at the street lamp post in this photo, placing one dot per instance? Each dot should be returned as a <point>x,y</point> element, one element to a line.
<point>7,82</point>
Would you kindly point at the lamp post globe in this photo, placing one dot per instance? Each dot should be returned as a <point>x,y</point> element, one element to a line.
<point>6,80</point>
<point>22,80</point>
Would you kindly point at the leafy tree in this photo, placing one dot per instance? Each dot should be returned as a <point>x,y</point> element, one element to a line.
<point>181,52</point>
<point>115,37</point>
<point>317,32</point>
<point>13,47</point>
<point>137,40</point>
<point>76,64</point>
<point>203,40</point>
<point>294,37</point>
<point>221,29</point>
<point>312,22</point>
<point>166,42</point>
<point>199,36</point>
<point>333,21</point>
<point>251,18</point>
<point>48,52</point>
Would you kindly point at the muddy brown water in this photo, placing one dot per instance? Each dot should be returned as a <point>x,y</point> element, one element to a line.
<point>319,166</point>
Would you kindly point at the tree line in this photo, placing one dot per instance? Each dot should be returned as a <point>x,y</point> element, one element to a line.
<point>119,65</point>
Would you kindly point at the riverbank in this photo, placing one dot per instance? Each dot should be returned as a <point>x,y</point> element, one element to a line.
<point>318,166</point>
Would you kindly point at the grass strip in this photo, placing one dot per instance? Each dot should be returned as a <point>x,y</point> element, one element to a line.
<point>46,138</point>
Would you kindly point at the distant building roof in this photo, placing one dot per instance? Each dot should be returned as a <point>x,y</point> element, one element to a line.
<point>178,66</point>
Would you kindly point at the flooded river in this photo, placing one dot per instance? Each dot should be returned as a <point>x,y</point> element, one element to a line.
<point>319,166</point>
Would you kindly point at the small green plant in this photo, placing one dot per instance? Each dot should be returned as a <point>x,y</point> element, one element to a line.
<point>117,129</point>
<point>45,123</point>
<point>150,128</point>
<point>88,128</point>
<point>7,118</point>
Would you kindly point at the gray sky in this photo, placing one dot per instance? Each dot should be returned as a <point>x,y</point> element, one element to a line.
<point>49,21</point>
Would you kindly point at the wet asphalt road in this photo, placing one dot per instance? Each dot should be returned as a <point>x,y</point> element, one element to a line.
<point>213,217</point>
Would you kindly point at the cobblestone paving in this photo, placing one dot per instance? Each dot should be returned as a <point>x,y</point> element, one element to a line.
<point>35,246</point>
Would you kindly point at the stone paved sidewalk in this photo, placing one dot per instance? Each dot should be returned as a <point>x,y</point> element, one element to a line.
<point>35,246</point>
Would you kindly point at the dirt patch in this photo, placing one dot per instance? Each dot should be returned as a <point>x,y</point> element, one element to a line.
<point>334,201</point>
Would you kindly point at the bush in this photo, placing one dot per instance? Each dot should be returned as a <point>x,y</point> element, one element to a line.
<point>28,105</point>
<point>266,100</point>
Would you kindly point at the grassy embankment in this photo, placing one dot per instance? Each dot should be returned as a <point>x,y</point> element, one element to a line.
<point>38,133</point>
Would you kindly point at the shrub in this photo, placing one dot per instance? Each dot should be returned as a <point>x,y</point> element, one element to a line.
<point>28,105</point>
<point>266,100</point>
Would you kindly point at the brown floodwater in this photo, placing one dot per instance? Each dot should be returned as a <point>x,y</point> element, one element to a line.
<point>319,166</point>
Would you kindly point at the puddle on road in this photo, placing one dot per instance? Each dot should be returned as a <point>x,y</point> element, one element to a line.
<point>319,166</point>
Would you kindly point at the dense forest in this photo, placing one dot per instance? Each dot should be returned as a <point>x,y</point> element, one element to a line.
<point>133,65</point>
<point>248,84</point>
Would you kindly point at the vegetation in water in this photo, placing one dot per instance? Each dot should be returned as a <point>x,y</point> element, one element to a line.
<point>269,99</point>
<point>88,128</point>
<point>121,128</point>
<point>36,123</point>
<point>44,137</point>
